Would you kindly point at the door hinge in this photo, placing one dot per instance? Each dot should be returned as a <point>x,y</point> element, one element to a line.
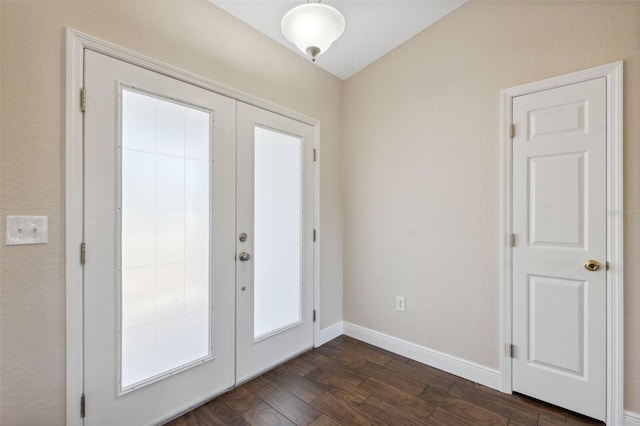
<point>512,240</point>
<point>314,235</point>
<point>314,315</point>
<point>510,350</point>
<point>83,406</point>
<point>83,253</point>
<point>315,155</point>
<point>512,131</point>
<point>83,99</point>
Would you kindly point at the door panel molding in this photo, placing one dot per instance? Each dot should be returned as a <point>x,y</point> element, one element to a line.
<point>76,43</point>
<point>614,225</point>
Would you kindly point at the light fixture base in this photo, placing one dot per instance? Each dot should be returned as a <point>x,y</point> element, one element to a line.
<point>313,51</point>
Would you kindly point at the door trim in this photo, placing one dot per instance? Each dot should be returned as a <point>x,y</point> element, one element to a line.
<point>76,43</point>
<point>615,217</point>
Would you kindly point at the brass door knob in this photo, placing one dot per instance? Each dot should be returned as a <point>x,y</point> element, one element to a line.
<point>591,265</point>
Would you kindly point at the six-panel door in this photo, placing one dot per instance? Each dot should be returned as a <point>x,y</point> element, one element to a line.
<point>559,222</point>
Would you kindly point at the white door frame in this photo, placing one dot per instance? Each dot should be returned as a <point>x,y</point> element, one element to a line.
<point>76,43</point>
<point>615,216</point>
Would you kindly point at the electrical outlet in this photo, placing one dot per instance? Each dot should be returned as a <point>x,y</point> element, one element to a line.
<point>400,303</point>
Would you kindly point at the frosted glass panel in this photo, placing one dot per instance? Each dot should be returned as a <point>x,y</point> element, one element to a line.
<point>137,308</point>
<point>196,135</point>
<point>165,238</point>
<point>169,236</point>
<point>277,228</point>
<point>196,185</point>
<point>170,182</point>
<point>196,237</point>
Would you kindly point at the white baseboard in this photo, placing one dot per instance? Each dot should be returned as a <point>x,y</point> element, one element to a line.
<point>631,418</point>
<point>449,363</point>
<point>330,333</point>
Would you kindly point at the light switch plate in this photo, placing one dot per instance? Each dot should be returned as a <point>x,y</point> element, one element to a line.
<point>27,230</point>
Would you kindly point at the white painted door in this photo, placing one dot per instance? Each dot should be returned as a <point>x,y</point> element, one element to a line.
<point>274,240</point>
<point>159,212</point>
<point>559,222</point>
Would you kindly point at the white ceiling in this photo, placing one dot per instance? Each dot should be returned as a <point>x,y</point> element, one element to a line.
<point>374,27</point>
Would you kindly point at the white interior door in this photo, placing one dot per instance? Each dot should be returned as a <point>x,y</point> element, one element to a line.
<point>159,277</point>
<point>559,222</point>
<point>274,240</point>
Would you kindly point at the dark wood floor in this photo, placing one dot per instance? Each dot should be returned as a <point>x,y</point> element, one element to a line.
<point>348,382</point>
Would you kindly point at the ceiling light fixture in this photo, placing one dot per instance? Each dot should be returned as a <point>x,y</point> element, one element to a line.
<point>313,27</point>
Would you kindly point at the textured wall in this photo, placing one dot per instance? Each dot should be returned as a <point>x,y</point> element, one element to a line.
<point>421,163</point>
<point>191,34</point>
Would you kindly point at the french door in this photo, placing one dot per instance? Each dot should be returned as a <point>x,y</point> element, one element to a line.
<point>170,306</point>
<point>275,240</point>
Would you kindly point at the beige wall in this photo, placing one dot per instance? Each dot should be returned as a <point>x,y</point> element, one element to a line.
<point>421,168</point>
<point>421,163</point>
<point>190,34</point>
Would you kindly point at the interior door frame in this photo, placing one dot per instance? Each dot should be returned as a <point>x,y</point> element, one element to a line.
<point>74,154</point>
<point>615,216</point>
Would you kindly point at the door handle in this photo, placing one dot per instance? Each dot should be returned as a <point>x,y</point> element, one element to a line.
<point>591,265</point>
<point>244,256</point>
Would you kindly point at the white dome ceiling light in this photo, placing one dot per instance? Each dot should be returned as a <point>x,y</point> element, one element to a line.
<point>313,27</point>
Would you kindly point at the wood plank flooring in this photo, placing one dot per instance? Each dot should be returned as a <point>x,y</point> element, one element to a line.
<point>348,382</point>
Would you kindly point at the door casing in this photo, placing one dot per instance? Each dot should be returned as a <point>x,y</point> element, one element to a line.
<point>77,42</point>
<point>615,215</point>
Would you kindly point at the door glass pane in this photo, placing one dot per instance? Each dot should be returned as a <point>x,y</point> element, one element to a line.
<point>278,231</point>
<point>165,238</point>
